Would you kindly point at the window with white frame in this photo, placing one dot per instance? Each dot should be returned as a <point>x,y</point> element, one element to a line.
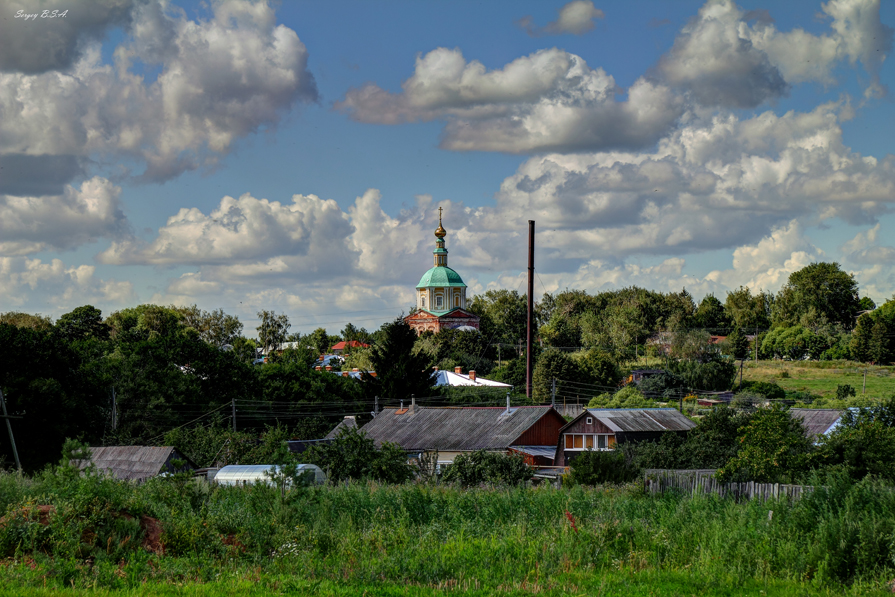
<point>439,301</point>
<point>590,441</point>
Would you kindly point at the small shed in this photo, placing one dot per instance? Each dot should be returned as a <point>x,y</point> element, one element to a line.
<point>137,463</point>
<point>249,474</point>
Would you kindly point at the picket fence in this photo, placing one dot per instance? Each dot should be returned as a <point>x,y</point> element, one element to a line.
<point>703,481</point>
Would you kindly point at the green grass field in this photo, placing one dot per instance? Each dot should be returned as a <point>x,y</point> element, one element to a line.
<point>823,377</point>
<point>647,583</point>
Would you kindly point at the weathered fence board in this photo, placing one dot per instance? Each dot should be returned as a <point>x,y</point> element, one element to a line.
<point>703,481</point>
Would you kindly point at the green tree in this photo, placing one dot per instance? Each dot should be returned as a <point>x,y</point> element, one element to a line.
<point>26,320</point>
<point>399,372</point>
<point>860,338</point>
<point>353,455</point>
<point>863,443</point>
<point>880,351</point>
<point>556,365</point>
<point>272,330</point>
<point>824,287</point>
<point>83,322</point>
<point>749,311</point>
<point>663,386</point>
<point>866,304</point>
<point>738,343</point>
<point>773,448</point>
<point>599,368</point>
<point>216,327</point>
<point>503,313</point>
<point>715,440</point>
<point>710,315</point>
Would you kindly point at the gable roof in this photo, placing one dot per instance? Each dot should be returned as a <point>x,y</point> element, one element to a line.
<point>455,429</point>
<point>135,462</point>
<point>817,421</point>
<point>349,422</point>
<point>633,420</point>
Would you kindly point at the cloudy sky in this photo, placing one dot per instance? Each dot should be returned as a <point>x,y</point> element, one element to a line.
<point>292,156</point>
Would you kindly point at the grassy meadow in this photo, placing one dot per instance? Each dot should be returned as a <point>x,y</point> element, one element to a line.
<point>823,377</point>
<point>415,539</point>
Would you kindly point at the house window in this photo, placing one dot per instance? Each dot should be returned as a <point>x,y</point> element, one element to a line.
<point>590,441</point>
<point>439,301</point>
<point>590,421</point>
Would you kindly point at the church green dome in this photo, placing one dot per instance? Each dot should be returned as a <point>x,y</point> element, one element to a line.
<point>440,276</point>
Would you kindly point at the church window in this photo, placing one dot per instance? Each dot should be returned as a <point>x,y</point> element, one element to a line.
<point>438,301</point>
<point>457,301</point>
<point>423,301</point>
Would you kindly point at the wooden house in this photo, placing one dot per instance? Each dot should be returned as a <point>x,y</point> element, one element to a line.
<point>604,429</point>
<point>532,431</point>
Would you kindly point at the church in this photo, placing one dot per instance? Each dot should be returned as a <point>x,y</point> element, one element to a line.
<point>441,295</point>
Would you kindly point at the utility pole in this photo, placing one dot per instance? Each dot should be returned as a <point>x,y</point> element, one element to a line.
<point>756,344</point>
<point>529,363</point>
<point>12,440</point>
<point>114,410</point>
<point>741,373</point>
<point>233,405</point>
<point>553,394</point>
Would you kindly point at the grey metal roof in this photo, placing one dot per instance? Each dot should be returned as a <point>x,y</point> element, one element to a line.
<point>546,451</point>
<point>628,420</point>
<point>346,423</point>
<point>453,429</point>
<point>133,462</point>
<point>817,421</point>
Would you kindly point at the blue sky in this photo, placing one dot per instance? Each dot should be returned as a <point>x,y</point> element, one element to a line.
<point>292,156</point>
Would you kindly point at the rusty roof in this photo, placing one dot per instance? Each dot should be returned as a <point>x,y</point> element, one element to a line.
<point>134,462</point>
<point>631,420</point>
<point>817,421</point>
<point>455,429</point>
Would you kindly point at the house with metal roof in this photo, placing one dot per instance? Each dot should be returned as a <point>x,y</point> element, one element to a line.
<point>605,428</point>
<point>137,463</point>
<point>818,421</point>
<point>452,431</point>
<point>343,346</point>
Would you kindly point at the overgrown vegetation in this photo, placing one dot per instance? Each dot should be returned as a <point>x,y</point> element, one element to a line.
<point>99,533</point>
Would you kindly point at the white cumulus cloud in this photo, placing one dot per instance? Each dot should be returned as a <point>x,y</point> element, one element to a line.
<point>548,101</point>
<point>220,79</point>
<point>77,216</point>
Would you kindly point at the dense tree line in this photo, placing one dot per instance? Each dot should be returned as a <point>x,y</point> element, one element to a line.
<point>165,367</point>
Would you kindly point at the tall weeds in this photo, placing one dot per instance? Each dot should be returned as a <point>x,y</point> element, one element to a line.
<point>440,535</point>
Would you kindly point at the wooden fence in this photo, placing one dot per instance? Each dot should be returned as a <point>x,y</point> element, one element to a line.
<point>702,481</point>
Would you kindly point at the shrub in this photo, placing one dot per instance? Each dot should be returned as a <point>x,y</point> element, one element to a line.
<point>628,397</point>
<point>475,468</point>
<point>600,466</point>
<point>353,455</point>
